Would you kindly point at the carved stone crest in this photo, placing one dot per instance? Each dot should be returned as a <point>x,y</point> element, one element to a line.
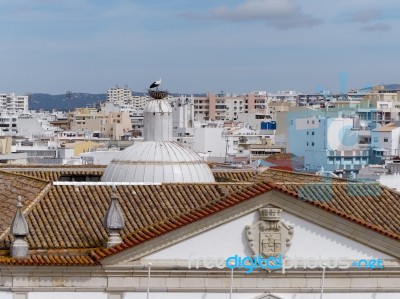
<point>269,236</point>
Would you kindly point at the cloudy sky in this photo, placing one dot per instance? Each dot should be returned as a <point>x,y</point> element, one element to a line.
<point>198,45</point>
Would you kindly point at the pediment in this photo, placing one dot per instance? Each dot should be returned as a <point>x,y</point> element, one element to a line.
<point>223,234</point>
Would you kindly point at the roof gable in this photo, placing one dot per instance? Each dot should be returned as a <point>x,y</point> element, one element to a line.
<point>226,237</point>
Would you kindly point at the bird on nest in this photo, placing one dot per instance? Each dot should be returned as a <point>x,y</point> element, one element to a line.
<point>155,84</point>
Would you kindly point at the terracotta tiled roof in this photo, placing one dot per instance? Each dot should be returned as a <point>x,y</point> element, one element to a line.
<point>371,205</point>
<point>235,176</point>
<point>53,173</point>
<point>71,216</point>
<point>280,156</point>
<point>284,176</point>
<point>12,186</point>
<point>50,260</point>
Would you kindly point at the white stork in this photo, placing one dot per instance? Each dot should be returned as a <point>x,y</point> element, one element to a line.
<point>155,83</point>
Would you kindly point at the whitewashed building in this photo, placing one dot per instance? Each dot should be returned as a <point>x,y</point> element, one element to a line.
<point>12,103</point>
<point>385,141</point>
<point>152,228</point>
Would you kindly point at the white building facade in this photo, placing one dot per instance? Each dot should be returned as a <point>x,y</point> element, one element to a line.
<point>13,103</point>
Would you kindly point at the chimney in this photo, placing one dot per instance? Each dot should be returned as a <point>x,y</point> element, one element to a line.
<point>114,221</point>
<point>19,229</point>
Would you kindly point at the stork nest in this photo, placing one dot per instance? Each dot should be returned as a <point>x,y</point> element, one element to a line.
<point>158,94</point>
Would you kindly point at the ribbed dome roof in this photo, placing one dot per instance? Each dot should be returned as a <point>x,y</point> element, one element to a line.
<point>158,162</point>
<point>158,106</point>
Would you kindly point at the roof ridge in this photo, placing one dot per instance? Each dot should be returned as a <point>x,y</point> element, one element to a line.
<point>338,212</point>
<point>302,173</point>
<point>357,220</point>
<point>51,166</point>
<point>29,207</point>
<point>23,175</point>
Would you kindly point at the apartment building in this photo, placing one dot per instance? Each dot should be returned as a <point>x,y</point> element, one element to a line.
<point>13,103</point>
<point>331,143</point>
<point>8,124</point>
<point>226,107</point>
<point>124,96</point>
<point>378,94</point>
<point>119,95</point>
<point>114,125</point>
<point>385,142</point>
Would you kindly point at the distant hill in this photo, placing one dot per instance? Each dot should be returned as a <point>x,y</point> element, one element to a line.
<point>385,86</point>
<point>64,102</point>
<point>392,86</point>
<point>70,101</point>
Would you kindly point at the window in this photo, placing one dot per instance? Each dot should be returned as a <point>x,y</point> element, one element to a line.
<point>312,143</point>
<point>312,133</point>
<point>385,139</point>
<point>307,143</point>
<point>307,132</point>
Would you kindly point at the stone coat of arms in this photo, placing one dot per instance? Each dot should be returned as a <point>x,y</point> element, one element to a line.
<point>269,236</point>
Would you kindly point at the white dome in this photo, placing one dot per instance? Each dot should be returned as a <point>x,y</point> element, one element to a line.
<point>158,162</point>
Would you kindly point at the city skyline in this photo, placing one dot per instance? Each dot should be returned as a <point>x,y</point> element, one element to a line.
<point>234,46</point>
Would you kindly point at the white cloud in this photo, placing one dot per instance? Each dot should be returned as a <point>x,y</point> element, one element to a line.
<point>377,27</point>
<point>257,9</point>
<point>280,14</point>
<point>366,15</point>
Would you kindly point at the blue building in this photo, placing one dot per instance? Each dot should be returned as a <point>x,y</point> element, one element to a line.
<point>332,143</point>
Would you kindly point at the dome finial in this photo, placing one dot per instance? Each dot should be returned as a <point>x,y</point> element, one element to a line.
<point>114,191</point>
<point>114,220</point>
<point>19,201</point>
<point>19,229</point>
